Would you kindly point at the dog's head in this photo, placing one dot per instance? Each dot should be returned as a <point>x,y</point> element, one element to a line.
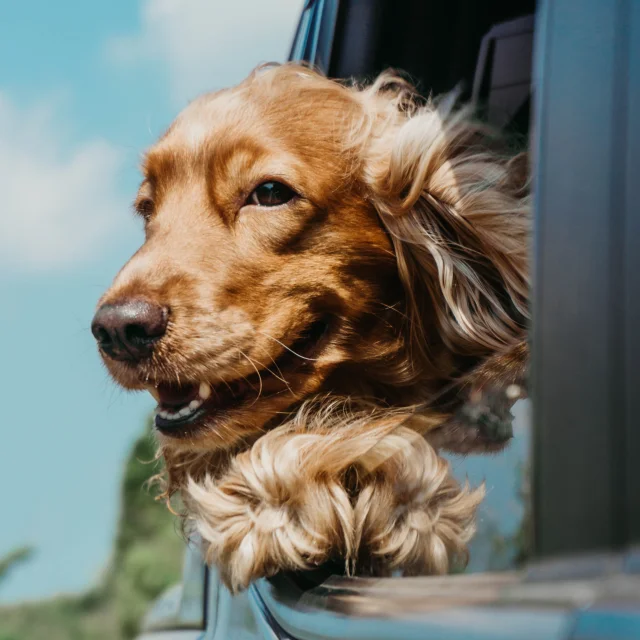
<point>305,237</point>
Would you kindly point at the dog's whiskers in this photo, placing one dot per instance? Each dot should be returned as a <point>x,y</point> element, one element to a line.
<point>289,349</point>
<point>252,363</point>
<point>281,375</point>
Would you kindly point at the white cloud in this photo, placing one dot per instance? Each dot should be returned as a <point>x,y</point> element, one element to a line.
<point>208,44</point>
<point>57,207</point>
<point>59,204</point>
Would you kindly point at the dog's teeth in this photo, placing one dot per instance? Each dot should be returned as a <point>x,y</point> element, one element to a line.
<point>174,414</point>
<point>205,390</point>
<point>154,392</point>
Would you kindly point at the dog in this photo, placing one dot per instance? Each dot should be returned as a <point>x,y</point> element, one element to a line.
<point>332,276</point>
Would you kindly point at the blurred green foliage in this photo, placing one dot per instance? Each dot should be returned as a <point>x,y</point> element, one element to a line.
<point>13,559</point>
<point>147,558</point>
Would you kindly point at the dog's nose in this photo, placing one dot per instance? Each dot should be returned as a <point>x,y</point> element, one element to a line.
<point>129,329</point>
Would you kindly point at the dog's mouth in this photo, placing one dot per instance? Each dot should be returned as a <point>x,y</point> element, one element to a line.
<point>182,408</point>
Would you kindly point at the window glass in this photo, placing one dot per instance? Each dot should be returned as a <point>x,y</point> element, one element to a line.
<point>502,538</point>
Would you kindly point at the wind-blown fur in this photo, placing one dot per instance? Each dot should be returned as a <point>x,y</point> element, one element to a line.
<point>418,250</point>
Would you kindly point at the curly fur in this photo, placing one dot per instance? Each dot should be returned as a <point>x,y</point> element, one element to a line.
<point>333,483</point>
<point>412,236</point>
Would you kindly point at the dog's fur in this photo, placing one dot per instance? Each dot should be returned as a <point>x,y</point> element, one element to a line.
<point>408,238</point>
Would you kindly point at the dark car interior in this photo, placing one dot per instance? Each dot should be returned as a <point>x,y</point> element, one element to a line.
<point>483,48</point>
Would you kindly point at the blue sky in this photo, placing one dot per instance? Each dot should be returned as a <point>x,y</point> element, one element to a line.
<point>84,88</point>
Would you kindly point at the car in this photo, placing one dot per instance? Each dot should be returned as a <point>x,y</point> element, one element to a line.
<point>565,73</point>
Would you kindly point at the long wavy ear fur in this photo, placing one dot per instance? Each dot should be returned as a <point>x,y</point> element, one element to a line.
<point>456,207</point>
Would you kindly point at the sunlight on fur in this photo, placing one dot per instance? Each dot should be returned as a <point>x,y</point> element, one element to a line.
<point>419,217</point>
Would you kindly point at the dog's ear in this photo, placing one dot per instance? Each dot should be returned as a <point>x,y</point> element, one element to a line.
<point>456,207</point>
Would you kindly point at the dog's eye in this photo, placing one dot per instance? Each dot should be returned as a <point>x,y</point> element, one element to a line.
<point>144,206</point>
<point>271,194</point>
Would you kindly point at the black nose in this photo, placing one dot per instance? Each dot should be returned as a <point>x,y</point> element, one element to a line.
<point>128,330</point>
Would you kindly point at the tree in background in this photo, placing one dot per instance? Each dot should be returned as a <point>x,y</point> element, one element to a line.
<point>147,558</point>
<point>14,558</point>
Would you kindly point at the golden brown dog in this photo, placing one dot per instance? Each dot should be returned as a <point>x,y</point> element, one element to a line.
<point>327,270</point>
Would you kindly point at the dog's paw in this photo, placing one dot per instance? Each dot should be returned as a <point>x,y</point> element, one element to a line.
<point>376,496</point>
<point>268,514</point>
<point>411,514</point>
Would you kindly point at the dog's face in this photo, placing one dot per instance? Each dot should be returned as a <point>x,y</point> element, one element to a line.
<point>265,269</point>
<point>304,238</point>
